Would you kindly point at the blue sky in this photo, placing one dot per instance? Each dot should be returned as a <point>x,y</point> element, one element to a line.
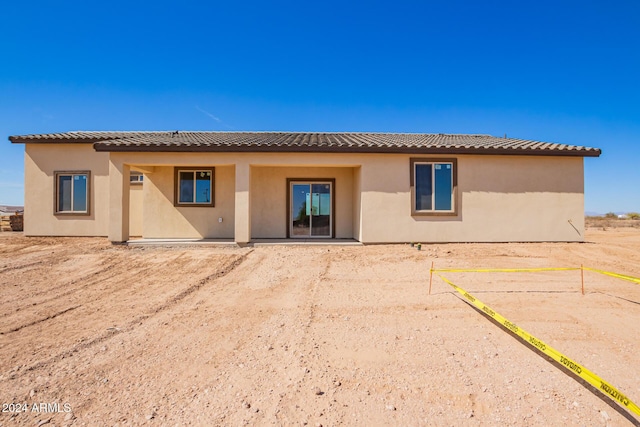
<point>559,71</point>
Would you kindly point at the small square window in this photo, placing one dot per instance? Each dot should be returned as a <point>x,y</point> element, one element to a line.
<point>72,192</point>
<point>194,186</point>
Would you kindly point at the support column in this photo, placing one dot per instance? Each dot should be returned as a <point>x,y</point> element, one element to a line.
<point>118,200</point>
<point>357,203</point>
<point>243,203</point>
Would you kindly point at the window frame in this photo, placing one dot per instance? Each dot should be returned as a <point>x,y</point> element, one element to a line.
<point>176,186</point>
<point>56,192</point>
<point>139,178</point>
<point>414,161</point>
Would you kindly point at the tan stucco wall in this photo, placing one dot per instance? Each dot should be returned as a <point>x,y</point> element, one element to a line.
<point>161,219</point>
<point>269,202</point>
<point>41,161</point>
<point>135,210</point>
<point>500,198</point>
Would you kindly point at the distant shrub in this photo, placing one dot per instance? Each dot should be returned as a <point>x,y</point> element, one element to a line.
<point>610,215</point>
<point>633,215</point>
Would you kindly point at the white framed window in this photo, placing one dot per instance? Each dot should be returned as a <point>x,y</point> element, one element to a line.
<point>72,192</point>
<point>433,186</point>
<point>136,177</point>
<point>194,186</point>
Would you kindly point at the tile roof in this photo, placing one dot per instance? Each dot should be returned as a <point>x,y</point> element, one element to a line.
<point>314,142</point>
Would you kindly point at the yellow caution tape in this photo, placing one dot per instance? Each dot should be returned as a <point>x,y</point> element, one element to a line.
<point>529,270</point>
<point>579,370</point>
<point>619,276</point>
<point>503,270</point>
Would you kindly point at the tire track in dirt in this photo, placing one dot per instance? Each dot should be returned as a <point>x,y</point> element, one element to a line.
<point>203,322</point>
<point>70,283</point>
<point>50,303</point>
<point>35,322</point>
<point>51,263</point>
<point>226,269</point>
<point>111,262</point>
<point>20,267</point>
<point>134,323</point>
<point>313,294</point>
<point>270,299</point>
<point>309,361</point>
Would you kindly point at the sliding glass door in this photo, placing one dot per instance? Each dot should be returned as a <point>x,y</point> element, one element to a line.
<point>310,209</point>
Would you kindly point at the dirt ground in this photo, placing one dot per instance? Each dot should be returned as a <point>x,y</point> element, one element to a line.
<point>95,334</point>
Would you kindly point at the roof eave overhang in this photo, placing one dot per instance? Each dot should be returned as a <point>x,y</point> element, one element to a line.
<point>341,150</point>
<point>18,140</point>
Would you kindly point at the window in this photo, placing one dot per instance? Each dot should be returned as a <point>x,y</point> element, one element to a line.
<point>433,186</point>
<point>194,186</point>
<point>136,177</point>
<point>72,192</point>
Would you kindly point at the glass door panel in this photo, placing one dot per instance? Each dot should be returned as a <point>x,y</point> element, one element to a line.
<point>300,210</point>
<point>321,210</point>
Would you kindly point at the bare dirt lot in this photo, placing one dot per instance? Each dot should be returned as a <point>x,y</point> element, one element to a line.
<point>311,335</point>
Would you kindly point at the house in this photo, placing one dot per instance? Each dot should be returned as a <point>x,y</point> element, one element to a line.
<point>369,187</point>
